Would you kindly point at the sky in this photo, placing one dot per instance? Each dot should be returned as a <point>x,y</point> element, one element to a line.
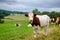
<point>29,5</point>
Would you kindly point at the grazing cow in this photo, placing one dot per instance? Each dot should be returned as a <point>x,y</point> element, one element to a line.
<point>38,20</point>
<point>17,25</point>
<point>58,21</point>
<point>51,20</point>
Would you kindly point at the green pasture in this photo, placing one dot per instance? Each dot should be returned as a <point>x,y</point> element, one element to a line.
<point>8,30</point>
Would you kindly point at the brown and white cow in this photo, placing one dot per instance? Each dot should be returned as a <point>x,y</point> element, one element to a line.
<point>58,21</point>
<point>18,25</point>
<point>37,21</point>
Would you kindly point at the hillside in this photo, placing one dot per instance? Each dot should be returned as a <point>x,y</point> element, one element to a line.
<point>8,30</point>
<point>12,12</point>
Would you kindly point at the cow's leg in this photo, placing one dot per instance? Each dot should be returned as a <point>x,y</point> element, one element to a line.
<point>36,30</point>
<point>46,30</point>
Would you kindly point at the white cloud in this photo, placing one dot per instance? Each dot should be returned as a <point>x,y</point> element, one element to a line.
<point>55,9</point>
<point>29,5</point>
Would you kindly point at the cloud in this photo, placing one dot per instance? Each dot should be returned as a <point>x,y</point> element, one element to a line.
<point>29,5</point>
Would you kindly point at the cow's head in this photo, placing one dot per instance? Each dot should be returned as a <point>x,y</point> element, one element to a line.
<point>30,16</point>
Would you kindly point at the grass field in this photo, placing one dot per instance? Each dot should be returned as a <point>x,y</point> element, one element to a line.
<point>8,30</point>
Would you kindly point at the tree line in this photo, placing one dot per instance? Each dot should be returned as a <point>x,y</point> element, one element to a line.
<point>52,14</point>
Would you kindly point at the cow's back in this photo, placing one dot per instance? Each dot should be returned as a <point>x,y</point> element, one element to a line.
<point>44,20</point>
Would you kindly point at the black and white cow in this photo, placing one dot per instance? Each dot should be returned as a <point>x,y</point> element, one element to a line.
<point>38,20</point>
<point>52,20</point>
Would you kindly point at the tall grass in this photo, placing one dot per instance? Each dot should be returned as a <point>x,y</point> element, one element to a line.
<point>8,30</point>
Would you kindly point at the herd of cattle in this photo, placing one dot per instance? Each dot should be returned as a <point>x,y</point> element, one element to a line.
<point>40,20</point>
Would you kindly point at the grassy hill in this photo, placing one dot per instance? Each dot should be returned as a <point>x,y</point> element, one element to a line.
<point>8,30</point>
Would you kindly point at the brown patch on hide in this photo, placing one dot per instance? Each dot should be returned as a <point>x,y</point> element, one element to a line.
<point>36,21</point>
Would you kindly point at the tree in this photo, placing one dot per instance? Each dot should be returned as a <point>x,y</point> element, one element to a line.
<point>53,14</point>
<point>35,11</point>
<point>2,15</point>
<point>45,13</point>
<point>58,15</point>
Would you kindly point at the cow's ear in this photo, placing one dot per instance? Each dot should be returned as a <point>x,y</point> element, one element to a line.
<point>34,15</point>
<point>26,15</point>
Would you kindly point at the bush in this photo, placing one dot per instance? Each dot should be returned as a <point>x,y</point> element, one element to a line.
<point>1,21</point>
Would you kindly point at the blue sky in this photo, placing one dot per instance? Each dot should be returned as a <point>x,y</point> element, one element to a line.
<point>29,5</point>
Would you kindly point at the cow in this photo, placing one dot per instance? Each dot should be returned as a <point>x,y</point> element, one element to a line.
<point>37,21</point>
<point>17,25</point>
<point>52,20</point>
<point>58,21</point>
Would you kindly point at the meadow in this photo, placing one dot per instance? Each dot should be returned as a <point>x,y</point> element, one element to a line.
<point>8,30</point>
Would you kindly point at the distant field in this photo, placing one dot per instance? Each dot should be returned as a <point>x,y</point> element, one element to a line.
<point>8,30</point>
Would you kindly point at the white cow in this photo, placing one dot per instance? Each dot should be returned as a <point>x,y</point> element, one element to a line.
<point>37,21</point>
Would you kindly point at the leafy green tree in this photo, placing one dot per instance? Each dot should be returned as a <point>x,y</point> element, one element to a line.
<point>2,15</point>
<point>58,14</point>
<point>45,13</point>
<point>53,14</point>
<point>35,11</point>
